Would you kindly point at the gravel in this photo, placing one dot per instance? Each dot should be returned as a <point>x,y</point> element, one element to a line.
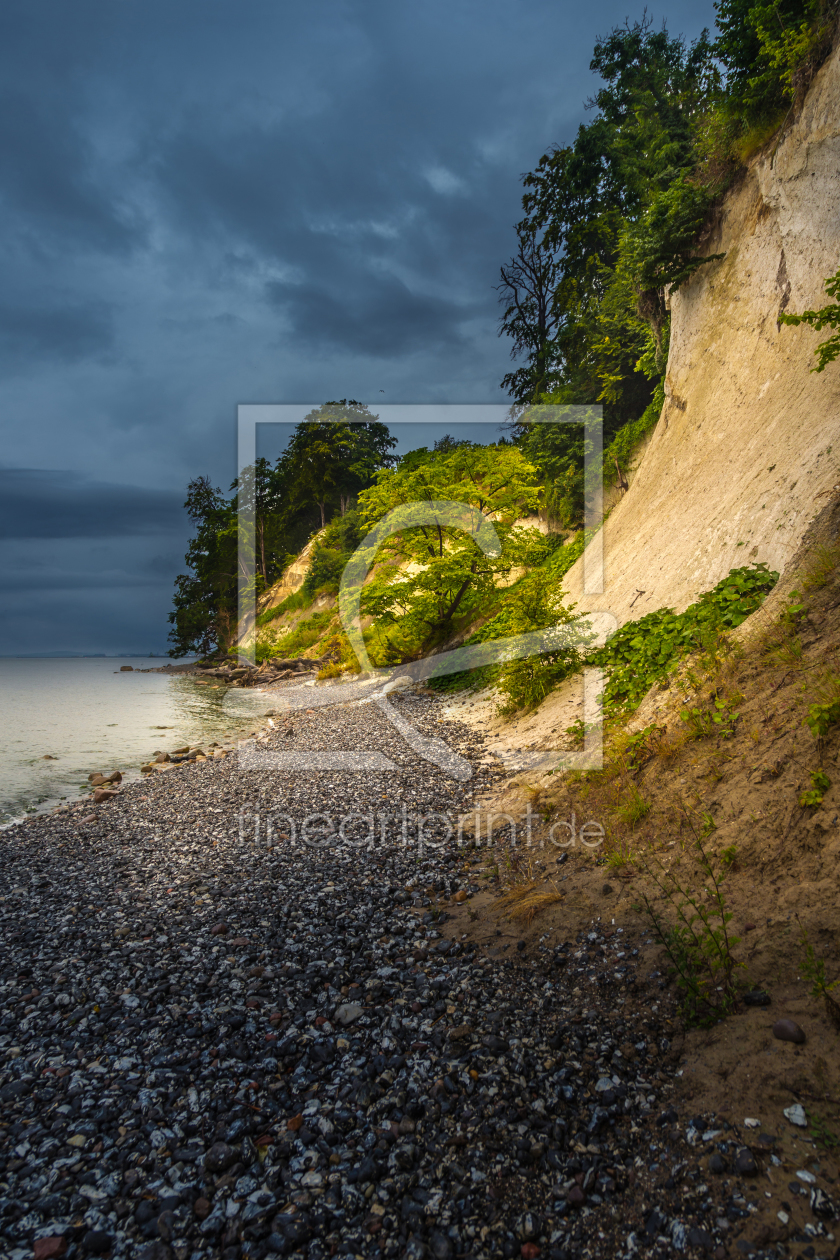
<point>217,1041</point>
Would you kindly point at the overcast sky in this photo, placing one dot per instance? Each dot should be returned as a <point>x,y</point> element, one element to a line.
<point>205,203</point>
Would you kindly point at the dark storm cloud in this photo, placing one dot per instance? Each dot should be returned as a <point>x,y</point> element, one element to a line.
<point>41,503</point>
<point>209,202</point>
<point>47,177</point>
<point>378,316</point>
<point>65,333</point>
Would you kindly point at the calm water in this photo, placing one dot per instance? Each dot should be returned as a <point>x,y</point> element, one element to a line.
<point>92,717</point>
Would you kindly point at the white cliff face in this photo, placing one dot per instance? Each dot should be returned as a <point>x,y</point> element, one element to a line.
<point>749,438</point>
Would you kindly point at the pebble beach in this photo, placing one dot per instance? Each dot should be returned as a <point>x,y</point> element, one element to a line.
<point>218,1040</point>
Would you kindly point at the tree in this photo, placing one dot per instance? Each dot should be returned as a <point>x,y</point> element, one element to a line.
<point>530,317</point>
<point>334,453</point>
<point>432,577</point>
<point>205,601</point>
<point>587,303</point>
<point>264,491</point>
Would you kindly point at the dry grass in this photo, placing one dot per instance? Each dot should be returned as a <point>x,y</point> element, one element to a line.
<point>527,891</point>
<point>523,902</point>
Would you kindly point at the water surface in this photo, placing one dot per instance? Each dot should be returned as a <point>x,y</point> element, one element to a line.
<point>90,716</point>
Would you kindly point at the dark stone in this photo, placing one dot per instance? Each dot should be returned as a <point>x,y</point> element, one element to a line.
<point>655,1224</point>
<point>440,1245</point>
<point>97,1242</point>
<point>757,997</point>
<point>744,1163</point>
<point>291,1230</point>
<point>219,1157</point>
<point>788,1030</point>
<point>14,1089</point>
<point>698,1237</point>
<point>717,1164</point>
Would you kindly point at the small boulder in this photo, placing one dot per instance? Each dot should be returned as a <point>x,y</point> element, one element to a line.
<point>788,1030</point>
<point>348,1013</point>
<point>51,1248</point>
<point>219,1157</point>
<point>97,1242</point>
<point>126,669</point>
<point>744,1163</point>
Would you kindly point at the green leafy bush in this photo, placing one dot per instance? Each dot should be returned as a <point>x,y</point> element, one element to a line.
<point>644,652</point>
<point>820,783</point>
<point>821,717</point>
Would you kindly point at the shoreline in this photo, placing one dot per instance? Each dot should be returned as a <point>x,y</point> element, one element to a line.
<point>70,792</point>
<point>216,1046</point>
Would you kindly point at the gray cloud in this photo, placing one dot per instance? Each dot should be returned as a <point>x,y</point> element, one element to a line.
<point>42,503</point>
<point>29,333</point>
<point>206,203</point>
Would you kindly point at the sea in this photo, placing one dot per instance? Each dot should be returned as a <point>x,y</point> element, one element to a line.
<point>62,719</point>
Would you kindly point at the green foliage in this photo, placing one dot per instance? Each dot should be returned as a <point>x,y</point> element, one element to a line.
<point>828,317</point>
<point>297,599</point>
<point>429,578</point>
<point>557,559</point>
<point>299,638</point>
<point>820,783</point>
<point>644,652</point>
<point>203,618</point>
<point>719,720</point>
<point>537,604</point>
<point>632,807</point>
<point>728,857</point>
<point>813,968</point>
<point>334,454</point>
<point>820,1132</point>
<point>769,52</point>
<point>583,328</point>
<point>331,552</point>
<point>697,940</point>
<point>658,248</point>
<point>614,221</point>
<point>821,717</point>
<point>814,973</point>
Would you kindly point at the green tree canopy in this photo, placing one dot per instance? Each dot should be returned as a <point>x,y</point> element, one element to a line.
<point>433,577</point>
